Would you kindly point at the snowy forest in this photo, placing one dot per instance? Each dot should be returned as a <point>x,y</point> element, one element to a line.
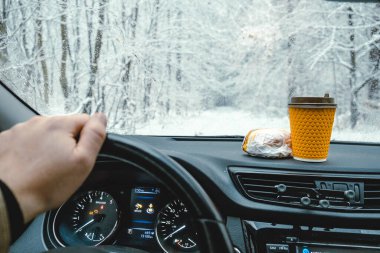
<point>202,67</point>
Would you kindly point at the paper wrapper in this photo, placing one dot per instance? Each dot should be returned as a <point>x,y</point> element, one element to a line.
<point>270,142</point>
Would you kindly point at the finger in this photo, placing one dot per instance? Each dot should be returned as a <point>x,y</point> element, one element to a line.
<point>92,136</point>
<point>72,123</point>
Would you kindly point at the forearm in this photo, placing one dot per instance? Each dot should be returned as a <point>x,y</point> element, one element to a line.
<point>11,219</point>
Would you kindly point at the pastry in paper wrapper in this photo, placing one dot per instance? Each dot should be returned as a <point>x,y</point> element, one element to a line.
<point>271,143</point>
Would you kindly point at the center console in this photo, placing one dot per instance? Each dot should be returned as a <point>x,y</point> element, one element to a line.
<point>283,238</point>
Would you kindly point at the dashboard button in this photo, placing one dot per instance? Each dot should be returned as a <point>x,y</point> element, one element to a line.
<point>291,239</point>
<point>340,187</point>
<point>277,248</point>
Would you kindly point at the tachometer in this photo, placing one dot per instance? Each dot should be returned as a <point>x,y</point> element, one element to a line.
<point>87,220</point>
<point>174,230</point>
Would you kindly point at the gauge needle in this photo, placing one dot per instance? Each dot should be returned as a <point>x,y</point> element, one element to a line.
<point>184,226</point>
<point>192,241</point>
<point>85,225</point>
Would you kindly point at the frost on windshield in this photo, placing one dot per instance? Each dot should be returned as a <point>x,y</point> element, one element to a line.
<point>194,67</point>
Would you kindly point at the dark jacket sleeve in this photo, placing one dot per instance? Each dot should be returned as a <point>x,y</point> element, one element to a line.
<point>5,233</point>
<point>11,218</point>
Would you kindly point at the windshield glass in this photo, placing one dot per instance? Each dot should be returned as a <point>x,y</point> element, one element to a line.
<point>195,67</point>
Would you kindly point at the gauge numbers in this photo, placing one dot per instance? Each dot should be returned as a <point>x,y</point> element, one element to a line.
<point>90,219</point>
<point>174,230</point>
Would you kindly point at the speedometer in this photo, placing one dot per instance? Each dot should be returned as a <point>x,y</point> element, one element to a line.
<point>174,230</point>
<point>88,219</point>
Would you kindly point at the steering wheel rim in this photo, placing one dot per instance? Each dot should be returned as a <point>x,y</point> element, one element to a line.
<point>213,235</point>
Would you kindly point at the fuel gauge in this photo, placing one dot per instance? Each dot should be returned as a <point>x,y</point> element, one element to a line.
<point>174,230</point>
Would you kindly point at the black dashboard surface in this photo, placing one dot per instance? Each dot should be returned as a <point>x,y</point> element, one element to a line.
<point>343,157</point>
<point>210,160</point>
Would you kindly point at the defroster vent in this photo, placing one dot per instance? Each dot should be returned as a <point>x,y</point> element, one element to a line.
<point>310,191</point>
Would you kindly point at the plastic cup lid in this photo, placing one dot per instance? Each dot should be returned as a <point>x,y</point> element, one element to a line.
<point>326,101</point>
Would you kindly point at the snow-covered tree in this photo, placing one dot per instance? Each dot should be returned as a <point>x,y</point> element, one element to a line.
<point>141,60</point>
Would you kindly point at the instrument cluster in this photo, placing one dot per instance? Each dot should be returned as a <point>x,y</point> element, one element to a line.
<point>141,217</point>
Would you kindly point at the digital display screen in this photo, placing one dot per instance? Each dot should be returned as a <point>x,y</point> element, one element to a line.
<point>144,207</point>
<point>329,249</point>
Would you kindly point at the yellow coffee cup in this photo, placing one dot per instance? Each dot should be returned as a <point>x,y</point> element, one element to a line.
<point>311,122</point>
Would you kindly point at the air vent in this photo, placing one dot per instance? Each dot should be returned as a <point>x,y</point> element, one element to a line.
<point>311,191</point>
<point>372,194</point>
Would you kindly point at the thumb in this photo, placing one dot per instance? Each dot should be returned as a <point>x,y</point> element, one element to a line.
<point>92,136</point>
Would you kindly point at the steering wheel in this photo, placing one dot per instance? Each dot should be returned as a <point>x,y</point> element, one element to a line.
<point>212,232</point>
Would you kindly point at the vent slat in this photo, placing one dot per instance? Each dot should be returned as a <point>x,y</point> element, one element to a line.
<point>260,186</point>
<point>262,193</point>
<point>275,182</point>
<point>372,189</point>
<point>268,187</point>
<point>372,198</point>
<point>372,194</point>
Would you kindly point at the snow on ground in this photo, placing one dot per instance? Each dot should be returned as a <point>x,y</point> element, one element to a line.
<point>222,121</point>
<point>229,121</point>
<point>370,134</point>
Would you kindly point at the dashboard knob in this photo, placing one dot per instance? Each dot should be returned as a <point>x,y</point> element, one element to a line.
<point>350,195</point>
<point>281,188</point>
<point>305,201</point>
<point>324,203</point>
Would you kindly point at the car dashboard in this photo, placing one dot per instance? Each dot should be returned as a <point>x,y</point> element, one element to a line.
<point>269,206</point>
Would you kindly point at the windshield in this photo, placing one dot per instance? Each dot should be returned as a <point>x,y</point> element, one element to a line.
<point>195,67</point>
